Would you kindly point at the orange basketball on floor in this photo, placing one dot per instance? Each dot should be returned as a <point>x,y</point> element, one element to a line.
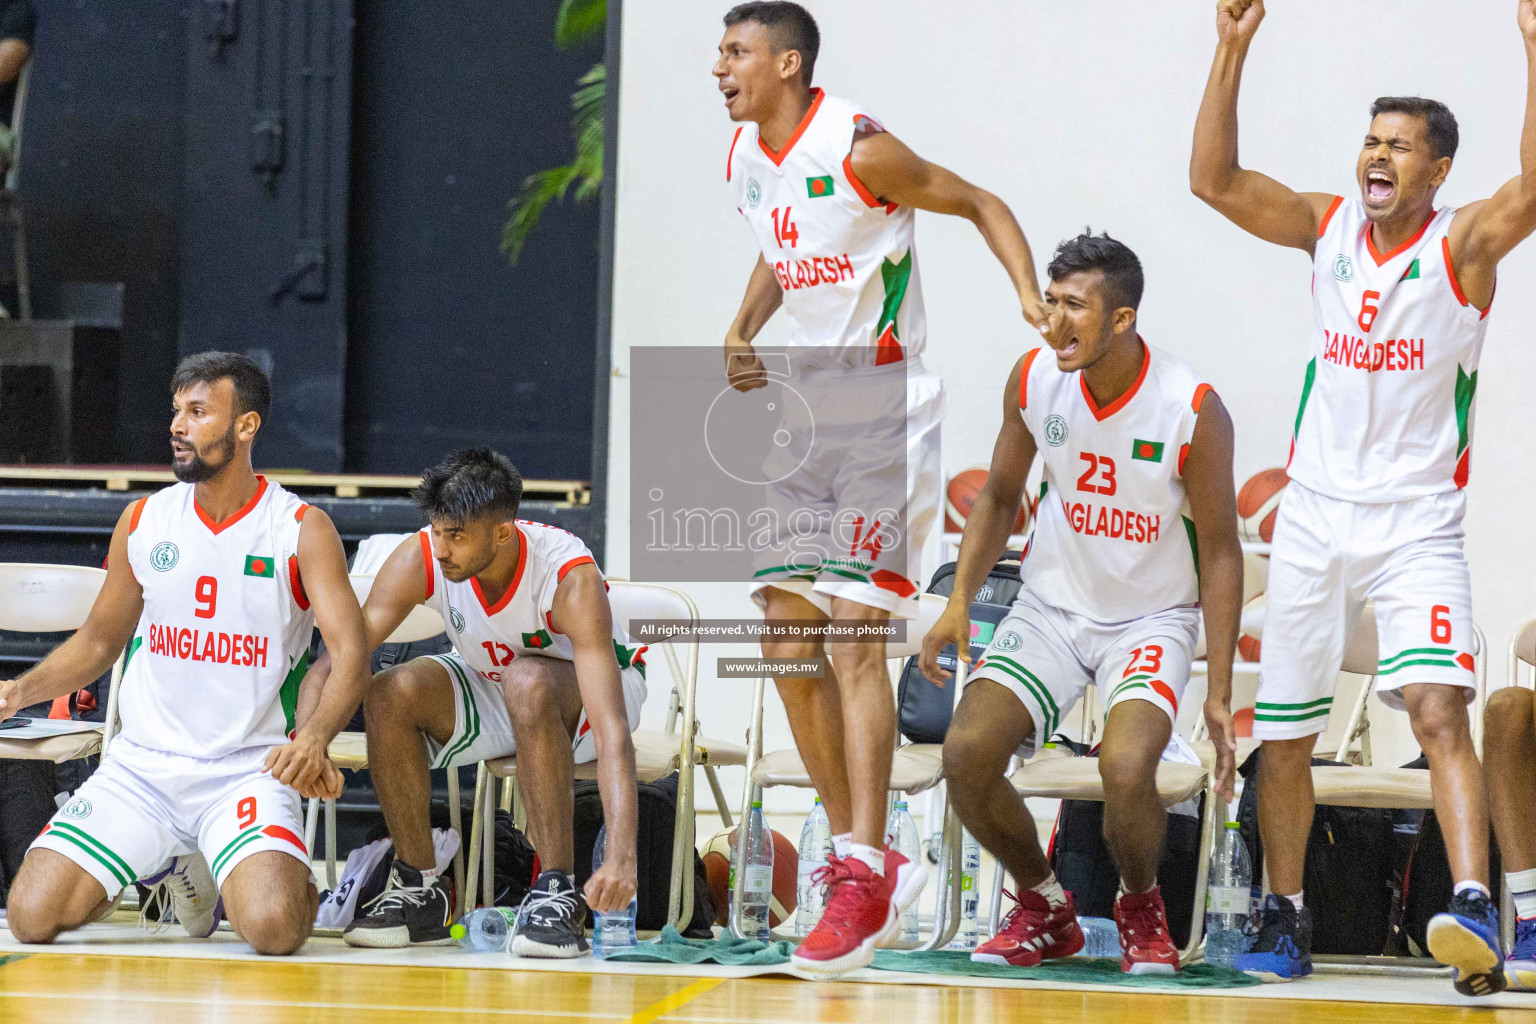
<point>786,876</point>
<point>961,494</point>
<point>1257,503</point>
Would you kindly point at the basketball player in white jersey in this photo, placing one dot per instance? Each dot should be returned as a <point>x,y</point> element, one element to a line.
<point>1135,536</point>
<point>539,668</point>
<point>1380,456</point>
<point>831,196</point>
<point>214,585</point>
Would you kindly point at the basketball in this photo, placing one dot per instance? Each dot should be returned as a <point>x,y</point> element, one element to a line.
<point>960,496</point>
<point>1248,648</point>
<point>1258,502</point>
<point>786,876</point>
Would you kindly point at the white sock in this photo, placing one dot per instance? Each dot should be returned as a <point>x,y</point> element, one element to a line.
<point>1522,886</point>
<point>1295,900</point>
<point>1051,889</point>
<point>869,855</point>
<point>1469,884</point>
<point>841,843</point>
<point>428,877</point>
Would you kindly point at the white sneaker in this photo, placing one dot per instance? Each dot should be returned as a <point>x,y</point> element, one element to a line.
<point>188,894</point>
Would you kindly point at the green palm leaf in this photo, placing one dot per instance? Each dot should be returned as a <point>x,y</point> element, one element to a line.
<point>580,22</point>
<point>585,172</point>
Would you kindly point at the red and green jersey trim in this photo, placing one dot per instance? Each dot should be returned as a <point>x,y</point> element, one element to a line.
<point>99,851</point>
<point>1266,712</point>
<point>895,276</point>
<point>1426,657</point>
<point>1466,390</point>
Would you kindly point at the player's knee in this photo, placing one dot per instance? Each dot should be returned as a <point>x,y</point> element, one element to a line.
<point>31,916</point>
<point>968,764</point>
<point>529,686</point>
<point>1507,717</point>
<point>800,650</point>
<point>388,694</point>
<point>273,930</point>
<point>1440,720</point>
<point>1126,771</point>
<point>857,660</point>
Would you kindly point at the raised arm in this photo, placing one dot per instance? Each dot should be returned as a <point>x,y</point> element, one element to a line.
<point>894,174</point>
<point>986,528</point>
<point>1254,202</point>
<point>1213,503</point>
<point>581,612</point>
<point>95,645</point>
<point>1483,233</point>
<point>763,298</point>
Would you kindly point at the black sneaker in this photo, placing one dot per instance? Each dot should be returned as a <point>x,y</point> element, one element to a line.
<point>408,912</point>
<point>551,921</point>
<point>1282,950</point>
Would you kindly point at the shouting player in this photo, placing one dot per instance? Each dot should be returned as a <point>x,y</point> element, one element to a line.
<point>830,196</point>
<point>538,668</point>
<point>218,582</point>
<point>1137,530</point>
<point>1380,454</point>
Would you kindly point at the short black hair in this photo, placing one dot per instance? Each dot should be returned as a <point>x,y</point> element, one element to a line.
<point>1439,122</point>
<point>470,483</point>
<point>1123,280</point>
<point>791,26</point>
<point>253,391</point>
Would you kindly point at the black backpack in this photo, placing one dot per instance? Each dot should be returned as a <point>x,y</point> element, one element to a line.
<point>923,710</point>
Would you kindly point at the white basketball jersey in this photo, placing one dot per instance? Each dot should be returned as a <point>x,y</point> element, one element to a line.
<point>488,636</point>
<point>221,647</point>
<point>1386,406</point>
<point>1113,537</point>
<point>844,259</point>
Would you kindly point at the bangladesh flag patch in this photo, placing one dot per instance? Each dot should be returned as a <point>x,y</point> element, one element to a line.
<point>537,641</point>
<point>1147,451</point>
<point>1412,273</point>
<point>256,565</point>
<point>818,187</point>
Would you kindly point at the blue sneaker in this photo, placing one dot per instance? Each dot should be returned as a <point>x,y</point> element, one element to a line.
<point>1520,968</point>
<point>1466,937</point>
<point>1282,950</point>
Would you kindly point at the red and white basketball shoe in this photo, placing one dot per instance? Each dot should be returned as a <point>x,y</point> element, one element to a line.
<point>906,880</point>
<point>1144,942</point>
<point>1031,932</point>
<point>858,916</point>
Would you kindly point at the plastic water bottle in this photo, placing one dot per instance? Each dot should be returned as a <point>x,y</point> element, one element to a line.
<point>1228,898</point>
<point>901,836</point>
<point>757,885</point>
<point>486,930</point>
<point>611,933</point>
<point>970,871</point>
<point>815,846</point>
<point>1101,937</point>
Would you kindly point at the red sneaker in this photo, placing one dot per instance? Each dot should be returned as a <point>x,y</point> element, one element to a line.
<point>906,880</point>
<point>1144,942</point>
<point>858,916</point>
<point>1033,931</point>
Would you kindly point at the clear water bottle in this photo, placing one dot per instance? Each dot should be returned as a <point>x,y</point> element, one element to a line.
<point>1101,937</point>
<point>1228,898</point>
<point>970,872</point>
<point>815,847</point>
<point>486,930</point>
<point>757,885</point>
<point>901,836</point>
<point>611,933</point>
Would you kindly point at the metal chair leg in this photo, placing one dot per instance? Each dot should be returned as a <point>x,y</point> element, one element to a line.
<point>472,855</point>
<point>712,776</point>
<point>330,844</point>
<point>488,841</point>
<point>947,912</point>
<point>311,826</point>
<point>749,793</point>
<point>456,822</point>
<point>1214,819</point>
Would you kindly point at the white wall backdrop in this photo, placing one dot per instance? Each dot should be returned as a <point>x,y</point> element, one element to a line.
<point>1080,113</point>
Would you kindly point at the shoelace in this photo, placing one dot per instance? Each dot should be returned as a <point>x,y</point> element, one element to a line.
<point>835,870</point>
<point>163,921</point>
<point>1144,922</point>
<point>549,908</point>
<point>399,898</point>
<point>845,888</point>
<point>1019,913</point>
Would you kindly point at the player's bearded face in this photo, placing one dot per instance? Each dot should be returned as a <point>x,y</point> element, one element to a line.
<point>192,463</point>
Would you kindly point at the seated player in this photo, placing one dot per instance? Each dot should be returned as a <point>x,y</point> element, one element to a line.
<point>1509,766</point>
<point>214,585</point>
<point>539,668</point>
<point>1137,524</point>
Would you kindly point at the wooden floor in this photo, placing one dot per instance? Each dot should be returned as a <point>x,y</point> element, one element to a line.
<point>66,987</point>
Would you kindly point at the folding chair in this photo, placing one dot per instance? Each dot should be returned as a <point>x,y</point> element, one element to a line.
<point>39,598</point>
<point>350,749</point>
<point>915,768</point>
<point>658,753</point>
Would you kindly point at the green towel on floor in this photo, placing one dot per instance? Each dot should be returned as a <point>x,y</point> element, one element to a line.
<point>1068,970</point>
<point>672,948</point>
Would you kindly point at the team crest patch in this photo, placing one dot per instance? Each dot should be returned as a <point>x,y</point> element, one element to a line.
<point>1343,268</point>
<point>1055,430</point>
<point>1009,641</point>
<point>163,556</point>
<point>77,808</point>
<point>456,619</point>
<point>754,193</point>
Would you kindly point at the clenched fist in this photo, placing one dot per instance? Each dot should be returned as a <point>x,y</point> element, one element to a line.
<point>1238,20</point>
